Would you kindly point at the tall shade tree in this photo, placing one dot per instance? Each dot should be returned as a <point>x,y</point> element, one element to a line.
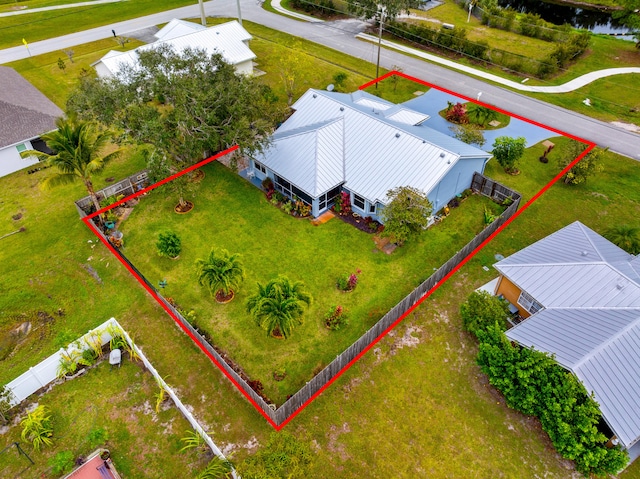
<point>186,104</point>
<point>221,273</point>
<point>278,306</point>
<point>79,149</point>
<point>629,16</point>
<point>508,152</point>
<point>406,213</point>
<point>626,237</point>
<point>371,8</point>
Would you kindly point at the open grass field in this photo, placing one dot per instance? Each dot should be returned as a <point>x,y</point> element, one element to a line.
<point>414,406</point>
<point>113,408</point>
<point>231,213</point>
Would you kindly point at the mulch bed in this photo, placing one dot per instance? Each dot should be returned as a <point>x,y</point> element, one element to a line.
<point>359,222</point>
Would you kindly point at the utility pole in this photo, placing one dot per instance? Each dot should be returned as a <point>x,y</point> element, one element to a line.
<point>203,19</point>
<point>383,11</point>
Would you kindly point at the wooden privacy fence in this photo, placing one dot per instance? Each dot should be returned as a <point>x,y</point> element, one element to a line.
<point>480,184</point>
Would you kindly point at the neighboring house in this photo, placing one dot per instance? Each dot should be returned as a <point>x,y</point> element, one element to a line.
<point>580,295</point>
<point>363,145</point>
<point>228,39</point>
<point>26,114</point>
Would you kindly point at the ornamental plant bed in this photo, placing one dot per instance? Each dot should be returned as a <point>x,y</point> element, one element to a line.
<point>233,215</point>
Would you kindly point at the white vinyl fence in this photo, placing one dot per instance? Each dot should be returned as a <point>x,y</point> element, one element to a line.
<point>46,372</point>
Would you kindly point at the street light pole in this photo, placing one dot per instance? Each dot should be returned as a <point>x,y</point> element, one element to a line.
<point>203,19</point>
<point>383,10</point>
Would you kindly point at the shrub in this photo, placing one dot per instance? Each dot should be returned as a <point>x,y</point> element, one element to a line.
<point>336,318</point>
<point>37,428</point>
<point>457,114</point>
<point>97,437</point>
<point>482,310</point>
<point>533,383</point>
<point>62,462</point>
<point>267,184</point>
<point>347,282</point>
<point>169,244</point>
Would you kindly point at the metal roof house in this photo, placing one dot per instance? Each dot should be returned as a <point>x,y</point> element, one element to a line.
<point>361,144</point>
<point>229,39</point>
<point>25,114</point>
<point>580,295</point>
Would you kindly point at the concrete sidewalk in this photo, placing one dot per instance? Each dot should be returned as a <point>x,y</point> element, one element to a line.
<point>564,88</point>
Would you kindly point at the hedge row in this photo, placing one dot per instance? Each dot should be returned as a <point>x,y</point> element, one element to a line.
<point>533,383</point>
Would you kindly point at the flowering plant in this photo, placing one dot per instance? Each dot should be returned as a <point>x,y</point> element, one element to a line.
<point>336,318</point>
<point>348,282</point>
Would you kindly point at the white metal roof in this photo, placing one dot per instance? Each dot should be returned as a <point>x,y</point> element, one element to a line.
<point>379,153</point>
<point>177,28</point>
<point>591,321</point>
<point>226,39</point>
<point>405,115</point>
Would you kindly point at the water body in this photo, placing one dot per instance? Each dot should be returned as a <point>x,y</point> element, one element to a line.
<point>594,20</point>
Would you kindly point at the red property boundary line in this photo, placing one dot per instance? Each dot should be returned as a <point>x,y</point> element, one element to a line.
<point>154,294</point>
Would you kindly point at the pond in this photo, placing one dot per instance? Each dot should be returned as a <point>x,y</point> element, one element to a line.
<point>594,20</point>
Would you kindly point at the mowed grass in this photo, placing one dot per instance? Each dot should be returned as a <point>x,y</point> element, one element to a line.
<point>43,25</point>
<point>44,73</point>
<point>421,411</point>
<point>418,395</point>
<point>120,402</point>
<point>232,214</point>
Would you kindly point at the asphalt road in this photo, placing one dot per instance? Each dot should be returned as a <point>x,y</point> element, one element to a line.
<point>340,35</point>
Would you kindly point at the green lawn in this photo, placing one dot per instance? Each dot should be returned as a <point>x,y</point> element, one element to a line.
<point>232,214</point>
<point>119,405</point>
<point>401,411</point>
<point>40,25</point>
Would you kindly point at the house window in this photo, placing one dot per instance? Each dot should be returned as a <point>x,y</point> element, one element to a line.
<point>358,201</point>
<point>325,200</point>
<point>292,191</point>
<point>527,302</point>
<point>372,208</point>
<point>260,167</point>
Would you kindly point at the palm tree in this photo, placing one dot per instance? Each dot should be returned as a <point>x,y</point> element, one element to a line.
<point>278,306</point>
<point>625,236</point>
<point>221,273</point>
<point>481,114</point>
<point>78,148</point>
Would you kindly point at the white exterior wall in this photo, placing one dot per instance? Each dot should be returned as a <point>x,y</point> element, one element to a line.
<point>102,70</point>
<point>245,68</point>
<point>11,161</point>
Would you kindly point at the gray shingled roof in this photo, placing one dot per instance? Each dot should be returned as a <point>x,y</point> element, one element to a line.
<point>378,153</point>
<point>590,289</point>
<point>26,113</point>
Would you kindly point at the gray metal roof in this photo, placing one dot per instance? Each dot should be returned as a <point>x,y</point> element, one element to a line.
<point>590,290</point>
<point>25,112</point>
<point>574,267</point>
<point>310,157</point>
<point>226,39</point>
<point>602,348</point>
<point>378,153</point>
